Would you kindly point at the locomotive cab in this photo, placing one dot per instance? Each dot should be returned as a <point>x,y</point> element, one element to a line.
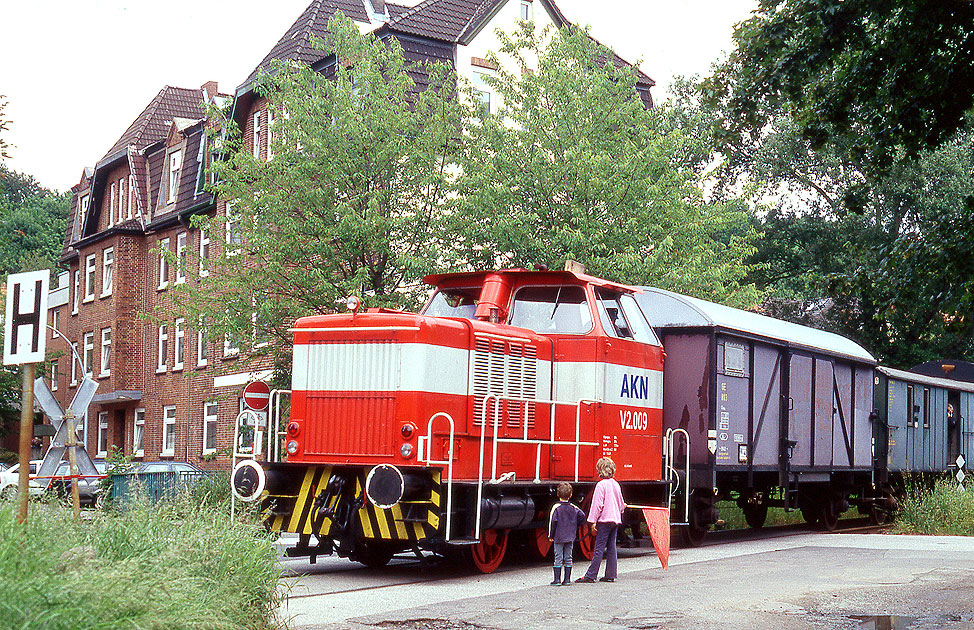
<point>453,426</point>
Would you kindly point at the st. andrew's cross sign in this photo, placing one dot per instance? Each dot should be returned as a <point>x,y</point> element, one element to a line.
<point>76,410</point>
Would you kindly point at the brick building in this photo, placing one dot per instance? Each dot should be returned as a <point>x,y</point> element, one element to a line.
<point>165,390</point>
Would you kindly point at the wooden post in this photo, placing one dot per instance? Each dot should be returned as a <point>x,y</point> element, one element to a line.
<point>26,433</point>
<point>72,443</point>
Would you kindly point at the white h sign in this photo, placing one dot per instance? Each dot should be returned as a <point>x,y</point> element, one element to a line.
<point>25,322</point>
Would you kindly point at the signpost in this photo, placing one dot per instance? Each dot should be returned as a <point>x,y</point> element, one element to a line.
<point>25,343</point>
<point>257,395</point>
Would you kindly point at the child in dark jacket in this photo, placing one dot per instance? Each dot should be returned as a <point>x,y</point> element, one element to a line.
<point>563,526</point>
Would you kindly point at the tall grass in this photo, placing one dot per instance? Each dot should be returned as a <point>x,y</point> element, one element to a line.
<point>179,564</point>
<point>939,509</point>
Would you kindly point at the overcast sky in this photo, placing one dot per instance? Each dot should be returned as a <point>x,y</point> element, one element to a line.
<point>76,74</point>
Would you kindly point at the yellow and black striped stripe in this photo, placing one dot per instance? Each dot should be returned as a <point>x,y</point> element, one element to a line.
<point>373,522</point>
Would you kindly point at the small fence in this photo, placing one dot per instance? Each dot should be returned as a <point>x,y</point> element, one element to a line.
<point>154,486</point>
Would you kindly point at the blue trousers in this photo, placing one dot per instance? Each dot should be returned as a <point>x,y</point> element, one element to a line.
<point>563,554</point>
<point>605,544</point>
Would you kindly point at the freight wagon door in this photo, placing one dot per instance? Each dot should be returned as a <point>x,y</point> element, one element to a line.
<point>800,409</point>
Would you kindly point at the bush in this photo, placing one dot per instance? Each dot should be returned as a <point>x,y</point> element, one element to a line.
<point>939,509</point>
<point>152,567</point>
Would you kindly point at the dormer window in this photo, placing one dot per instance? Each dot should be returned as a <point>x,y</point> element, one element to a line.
<point>131,194</point>
<point>270,134</point>
<point>82,214</point>
<point>175,163</point>
<point>121,199</point>
<point>111,205</point>
<point>256,137</point>
<point>526,13</point>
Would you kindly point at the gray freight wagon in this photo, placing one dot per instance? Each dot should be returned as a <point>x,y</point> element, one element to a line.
<point>776,413</point>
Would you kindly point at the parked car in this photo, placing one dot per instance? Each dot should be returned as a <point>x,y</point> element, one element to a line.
<point>89,488</point>
<point>10,479</point>
<point>176,467</point>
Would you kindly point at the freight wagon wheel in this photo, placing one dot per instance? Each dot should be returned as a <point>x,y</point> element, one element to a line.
<point>586,541</point>
<point>538,544</point>
<point>755,515</point>
<point>877,515</point>
<point>693,536</point>
<point>489,552</point>
<point>829,515</point>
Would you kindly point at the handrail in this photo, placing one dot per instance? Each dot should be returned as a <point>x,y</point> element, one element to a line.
<point>669,442</point>
<point>274,420</point>
<point>427,441</point>
<point>577,443</point>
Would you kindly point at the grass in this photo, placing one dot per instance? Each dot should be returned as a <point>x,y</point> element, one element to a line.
<point>937,509</point>
<point>733,516</point>
<point>179,564</point>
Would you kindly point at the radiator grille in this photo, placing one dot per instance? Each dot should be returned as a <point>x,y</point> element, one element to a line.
<point>506,368</point>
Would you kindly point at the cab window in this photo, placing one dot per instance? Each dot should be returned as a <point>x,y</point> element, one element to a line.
<point>460,303</point>
<point>552,310</point>
<point>621,317</point>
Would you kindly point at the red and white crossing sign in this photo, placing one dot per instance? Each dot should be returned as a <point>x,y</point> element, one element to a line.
<point>257,395</point>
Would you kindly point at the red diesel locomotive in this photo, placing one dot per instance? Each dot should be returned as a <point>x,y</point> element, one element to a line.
<point>452,427</point>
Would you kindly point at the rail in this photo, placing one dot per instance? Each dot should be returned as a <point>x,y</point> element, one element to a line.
<point>669,441</point>
<point>425,447</point>
<point>577,443</point>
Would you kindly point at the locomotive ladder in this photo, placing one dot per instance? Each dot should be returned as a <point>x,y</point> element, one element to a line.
<point>669,443</point>
<point>496,439</point>
<point>425,448</point>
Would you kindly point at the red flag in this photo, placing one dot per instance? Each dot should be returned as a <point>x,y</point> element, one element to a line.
<point>658,521</point>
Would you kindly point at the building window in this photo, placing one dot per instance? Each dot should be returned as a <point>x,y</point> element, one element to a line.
<point>81,430</point>
<point>89,354</point>
<point>131,195</point>
<point>181,258</point>
<point>926,407</point>
<point>90,263</point>
<point>77,290</point>
<point>54,375</point>
<point>102,434</point>
<point>74,370</point>
<point>106,351</point>
<point>525,10</point>
<point>270,134</point>
<point>211,414</point>
<point>54,323</point>
<point>481,91</point>
<point>175,163</point>
<point>168,430</point>
<point>163,348</point>
<point>107,275</point>
<point>82,214</point>
<point>111,204</point>
<point>163,263</point>
<point>138,436</point>
<point>204,253</point>
<point>180,346</point>
<point>121,199</point>
<point>230,346</point>
<point>233,230</point>
<point>201,344</point>
<point>256,138</point>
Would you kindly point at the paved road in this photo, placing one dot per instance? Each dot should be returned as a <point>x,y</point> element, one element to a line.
<point>801,581</point>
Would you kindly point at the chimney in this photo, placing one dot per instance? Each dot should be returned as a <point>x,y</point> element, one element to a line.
<point>210,90</point>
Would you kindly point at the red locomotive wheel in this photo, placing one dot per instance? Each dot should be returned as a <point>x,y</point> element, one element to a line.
<point>586,541</point>
<point>538,544</point>
<point>489,552</point>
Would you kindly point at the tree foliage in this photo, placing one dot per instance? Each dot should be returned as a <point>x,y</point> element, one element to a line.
<point>885,76</point>
<point>346,205</point>
<point>4,125</point>
<point>571,165</point>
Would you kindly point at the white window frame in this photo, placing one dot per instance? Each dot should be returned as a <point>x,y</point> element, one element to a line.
<point>482,90</point>
<point>256,136</point>
<point>163,263</point>
<point>54,322</point>
<point>201,344</point>
<point>162,349</point>
<point>74,371</point>
<point>138,433</point>
<point>175,164</point>
<point>89,352</point>
<point>168,430</point>
<point>204,253</point>
<point>525,10</point>
<point>102,434</point>
<point>90,266</point>
<point>54,375</point>
<point>82,213</point>
<point>234,237</point>
<point>211,418</point>
<point>181,240</point>
<point>77,291</point>
<point>230,349</point>
<point>131,194</point>
<point>106,352</point>
<point>121,199</point>
<point>179,346</point>
<point>107,271</point>
<point>111,205</point>
<point>270,135</point>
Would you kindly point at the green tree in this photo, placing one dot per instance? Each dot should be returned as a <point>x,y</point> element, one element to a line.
<point>4,125</point>
<point>885,76</point>
<point>32,223</point>
<point>346,205</point>
<point>571,165</point>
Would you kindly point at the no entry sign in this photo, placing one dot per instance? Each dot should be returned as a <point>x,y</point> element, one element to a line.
<point>257,395</point>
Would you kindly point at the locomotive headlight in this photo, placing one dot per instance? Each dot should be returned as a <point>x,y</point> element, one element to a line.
<point>292,447</point>
<point>406,450</point>
<point>353,303</point>
<point>293,429</point>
